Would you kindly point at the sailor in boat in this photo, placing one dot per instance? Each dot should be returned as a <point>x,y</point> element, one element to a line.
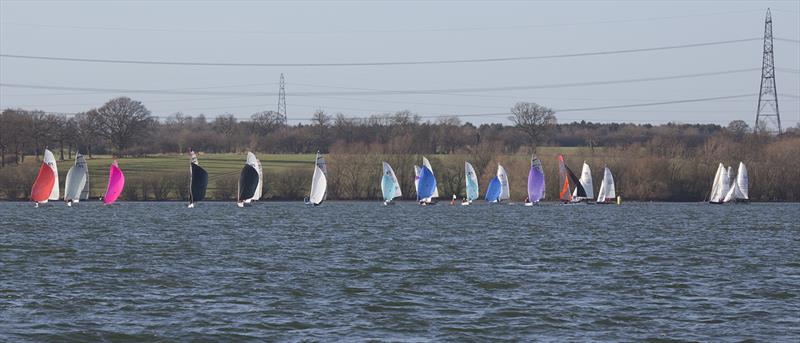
<point>464,201</point>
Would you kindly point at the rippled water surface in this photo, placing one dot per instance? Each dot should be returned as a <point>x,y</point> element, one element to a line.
<point>358,271</point>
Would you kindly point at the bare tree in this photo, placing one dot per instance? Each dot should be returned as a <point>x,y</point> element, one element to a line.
<point>322,121</point>
<point>267,122</point>
<point>533,119</point>
<point>120,121</point>
<point>87,131</point>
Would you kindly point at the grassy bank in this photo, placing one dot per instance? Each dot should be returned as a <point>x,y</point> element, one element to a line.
<point>655,173</point>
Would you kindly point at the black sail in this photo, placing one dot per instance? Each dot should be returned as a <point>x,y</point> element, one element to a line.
<point>248,182</point>
<point>199,184</point>
<point>581,192</point>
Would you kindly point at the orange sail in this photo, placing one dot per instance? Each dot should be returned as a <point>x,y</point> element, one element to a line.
<point>565,194</point>
<point>44,183</point>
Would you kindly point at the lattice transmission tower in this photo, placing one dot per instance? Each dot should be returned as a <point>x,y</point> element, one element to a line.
<point>282,97</point>
<point>767,114</point>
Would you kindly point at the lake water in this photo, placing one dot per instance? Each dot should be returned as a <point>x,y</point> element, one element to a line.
<point>357,271</point>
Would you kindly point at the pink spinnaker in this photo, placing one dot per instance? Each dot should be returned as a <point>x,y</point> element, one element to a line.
<point>115,182</point>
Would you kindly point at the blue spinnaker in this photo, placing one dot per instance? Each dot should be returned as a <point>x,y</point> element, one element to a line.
<point>427,183</point>
<point>494,189</point>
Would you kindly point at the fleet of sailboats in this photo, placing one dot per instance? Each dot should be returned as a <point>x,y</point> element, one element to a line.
<point>726,186</point>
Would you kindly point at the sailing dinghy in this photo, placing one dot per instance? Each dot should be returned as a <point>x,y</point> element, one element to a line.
<point>45,187</point>
<point>720,186</point>
<point>427,164</point>
<point>498,189</point>
<point>390,187</point>
<point>586,183</point>
<point>472,184</point>
<point>248,183</point>
<point>607,193</point>
<point>256,164</point>
<point>738,192</point>
<point>76,187</point>
<point>535,182</point>
<point>116,181</point>
<point>568,182</point>
<point>319,182</point>
<point>426,186</point>
<point>198,181</point>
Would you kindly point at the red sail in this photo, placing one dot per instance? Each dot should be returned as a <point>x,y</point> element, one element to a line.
<point>44,184</point>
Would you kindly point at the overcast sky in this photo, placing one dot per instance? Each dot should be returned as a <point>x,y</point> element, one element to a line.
<point>331,32</point>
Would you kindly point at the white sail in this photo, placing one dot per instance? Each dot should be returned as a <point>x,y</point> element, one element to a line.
<point>416,178</point>
<point>256,164</point>
<point>427,163</point>
<point>586,182</point>
<point>742,180</point>
<point>472,182</point>
<point>77,181</point>
<point>505,190</point>
<point>607,190</point>
<point>319,185</point>
<point>725,183</point>
<point>320,161</point>
<point>50,160</point>
<point>716,189</point>
<point>731,195</point>
<point>387,170</point>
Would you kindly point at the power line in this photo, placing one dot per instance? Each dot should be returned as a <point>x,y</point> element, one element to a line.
<point>368,91</point>
<point>375,63</point>
<point>620,106</point>
<point>368,31</point>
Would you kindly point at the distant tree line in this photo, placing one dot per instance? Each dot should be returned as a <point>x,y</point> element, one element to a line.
<point>124,126</point>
